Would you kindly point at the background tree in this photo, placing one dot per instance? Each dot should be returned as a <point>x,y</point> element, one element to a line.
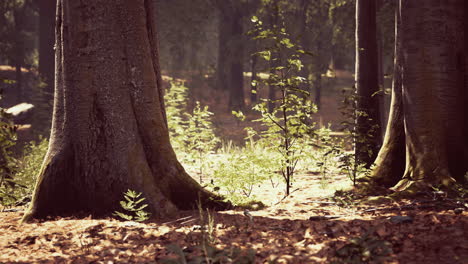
<point>109,130</point>
<point>367,84</point>
<point>391,157</point>
<point>46,44</point>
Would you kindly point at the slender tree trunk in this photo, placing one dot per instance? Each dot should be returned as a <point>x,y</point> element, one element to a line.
<point>368,118</point>
<point>47,17</point>
<point>236,93</point>
<point>318,90</point>
<point>19,51</point>
<point>109,130</point>
<point>253,80</point>
<point>381,94</point>
<point>223,68</point>
<point>391,158</point>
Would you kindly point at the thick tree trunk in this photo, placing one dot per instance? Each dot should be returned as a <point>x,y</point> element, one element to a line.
<point>432,91</point>
<point>109,130</point>
<point>390,162</point>
<point>368,117</point>
<point>47,17</point>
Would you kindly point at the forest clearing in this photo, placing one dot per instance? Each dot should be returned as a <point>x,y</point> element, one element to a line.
<point>233,131</point>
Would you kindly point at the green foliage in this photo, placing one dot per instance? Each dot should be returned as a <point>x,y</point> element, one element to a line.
<point>8,164</point>
<point>175,100</point>
<point>243,169</point>
<point>134,207</point>
<point>288,120</point>
<point>364,249</point>
<point>29,167</point>
<point>349,165</point>
<point>192,133</point>
<point>199,139</point>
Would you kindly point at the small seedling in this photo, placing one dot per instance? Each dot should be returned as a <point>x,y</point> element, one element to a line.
<point>134,207</point>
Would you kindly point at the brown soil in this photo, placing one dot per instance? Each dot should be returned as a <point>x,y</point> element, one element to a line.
<point>282,231</point>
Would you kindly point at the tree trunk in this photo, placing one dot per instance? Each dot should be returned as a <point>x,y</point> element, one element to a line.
<point>109,130</point>
<point>433,98</point>
<point>432,88</point>
<point>47,17</point>
<point>18,15</point>
<point>317,84</point>
<point>224,56</point>
<point>391,158</point>
<point>368,118</point>
<point>236,91</point>
<point>253,80</point>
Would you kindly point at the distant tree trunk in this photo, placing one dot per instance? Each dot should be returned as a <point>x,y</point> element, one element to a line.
<point>236,91</point>
<point>18,15</point>
<point>433,97</point>
<point>381,93</point>
<point>253,80</point>
<point>109,130</point>
<point>368,117</point>
<point>317,84</point>
<point>273,21</point>
<point>224,54</point>
<point>46,44</point>
<point>391,158</point>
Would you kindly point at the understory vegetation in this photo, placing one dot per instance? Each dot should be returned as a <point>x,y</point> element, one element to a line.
<point>237,171</point>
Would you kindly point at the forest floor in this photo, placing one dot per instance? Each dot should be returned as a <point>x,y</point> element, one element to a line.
<point>301,228</point>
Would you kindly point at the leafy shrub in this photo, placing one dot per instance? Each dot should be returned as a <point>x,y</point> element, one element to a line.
<point>8,163</point>
<point>199,139</point>
<point>352,167</point>
<point>192,133</point>
<point>30,165</point>
<point>288,120</point>
<point>134,207</point>
<point>243,168</point>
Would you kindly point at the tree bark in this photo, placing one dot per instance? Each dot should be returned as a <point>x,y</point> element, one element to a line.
<point>47,16</point>
<point>432,92</point>
<point>109,130</point>
<point>391,158</point>
<point>433,98</point>
<point>368,117</point>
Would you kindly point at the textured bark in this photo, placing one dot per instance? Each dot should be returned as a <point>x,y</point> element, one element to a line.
<point>390,162</point>
<point>432,91</point>
<point>47,17</point>
<point>368,117</point>
<point>109,130</point>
